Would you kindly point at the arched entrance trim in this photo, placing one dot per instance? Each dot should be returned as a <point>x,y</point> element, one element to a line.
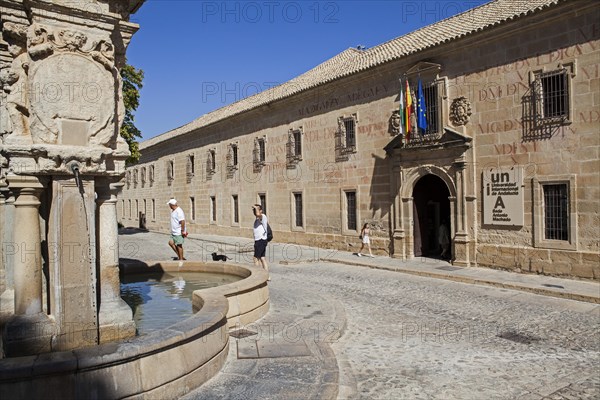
<point>417,173</point>
<point>411,178</point>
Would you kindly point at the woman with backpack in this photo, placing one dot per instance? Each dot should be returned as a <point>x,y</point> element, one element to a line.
<point>261,227</point>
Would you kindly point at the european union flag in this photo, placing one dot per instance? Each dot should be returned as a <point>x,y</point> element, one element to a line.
<point>421,117</point>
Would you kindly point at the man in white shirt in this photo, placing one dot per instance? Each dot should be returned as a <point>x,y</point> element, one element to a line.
<point>178,231</point>
<point>260,237</point>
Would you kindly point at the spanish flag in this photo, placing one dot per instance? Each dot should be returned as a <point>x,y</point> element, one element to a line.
<point>407,110</point>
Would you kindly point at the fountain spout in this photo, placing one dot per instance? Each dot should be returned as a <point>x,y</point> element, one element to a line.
<point>75,169</point>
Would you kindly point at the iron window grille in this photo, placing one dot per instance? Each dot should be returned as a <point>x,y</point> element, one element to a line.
<point>211,163</point>
<point>551,96</point>
<point>351,210</point>
<point>151,175</point>
<point>213,208</point>
<point>259,154</point>
<point>547,105</point>
<point>193,208</point>
<point>431,95</point>
<point>345,137</point>
<point>556,212</point>
<point>170,172</point>
<point>294,148</point>
<point>190,168</point>
<point>232,160</point>
<point>298,207</point>
<point>236,211</point>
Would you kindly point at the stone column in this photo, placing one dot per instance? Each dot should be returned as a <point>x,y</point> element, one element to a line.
<point>3,242</point>
<point>7,298</point>
<point>409,223</point>
<point>398,228</point>
<point>115,318</point>
<point>461,238</point>
<point>29,331</point>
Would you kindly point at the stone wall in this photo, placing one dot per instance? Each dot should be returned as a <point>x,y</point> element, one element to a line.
<point>492,70</point>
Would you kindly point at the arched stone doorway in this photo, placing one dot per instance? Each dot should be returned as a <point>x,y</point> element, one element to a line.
<point>431,208</point>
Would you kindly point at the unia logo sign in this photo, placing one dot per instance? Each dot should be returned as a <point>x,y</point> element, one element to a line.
<point>503,196</point>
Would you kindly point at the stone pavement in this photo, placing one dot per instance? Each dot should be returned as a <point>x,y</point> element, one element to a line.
<point>338,331</point>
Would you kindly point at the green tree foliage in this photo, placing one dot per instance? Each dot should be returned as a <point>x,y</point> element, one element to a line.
<point>132,84</point>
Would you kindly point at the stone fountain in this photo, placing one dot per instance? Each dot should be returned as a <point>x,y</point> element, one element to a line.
<point>66,333</point>
<point>61,161</point>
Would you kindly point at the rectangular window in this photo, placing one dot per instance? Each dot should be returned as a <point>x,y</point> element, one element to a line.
<point>193,208</point>
<point>213,160</point>
<point>213,208</point>
<point>153,209</point>
<point>137,209</point>
<point>556,212</point>
<point>430,93</point>
<point>553,94</point>
<point>170,172</point>
<point>234,154</point>
<point>151,175</point>
<point>123,209</point>
<point>298,207</point>
<point>236,212</point>
<point>263,202</point>
<point>258,154</point>
<point>351,209</point>
<point>129,209</point>
<point>297,143</point>
<point>261,150</point>
<point>350,126</point>
<point>145,207</point>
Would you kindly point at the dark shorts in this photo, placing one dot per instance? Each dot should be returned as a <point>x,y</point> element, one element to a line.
<point>260,248</point>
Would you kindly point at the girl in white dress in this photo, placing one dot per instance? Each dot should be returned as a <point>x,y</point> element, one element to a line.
<point>364,234</point>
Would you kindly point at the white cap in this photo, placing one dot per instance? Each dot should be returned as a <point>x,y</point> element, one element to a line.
<point>172,202</point>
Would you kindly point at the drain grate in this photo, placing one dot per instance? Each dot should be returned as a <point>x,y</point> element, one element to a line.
<point>449,268</point>
<point>242,333</point>
<point>518,337</point>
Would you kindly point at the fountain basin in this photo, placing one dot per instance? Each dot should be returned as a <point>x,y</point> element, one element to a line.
<point>163,364</point>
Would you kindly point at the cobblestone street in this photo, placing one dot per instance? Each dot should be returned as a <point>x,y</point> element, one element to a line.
<point>410,337</point>
<point>400,336</point>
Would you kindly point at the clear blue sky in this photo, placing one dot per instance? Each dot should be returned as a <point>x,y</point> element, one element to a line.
<point>198,56</point>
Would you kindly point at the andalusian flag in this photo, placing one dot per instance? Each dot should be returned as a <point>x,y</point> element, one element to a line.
<point>421,117</point>
<point>407,110</point>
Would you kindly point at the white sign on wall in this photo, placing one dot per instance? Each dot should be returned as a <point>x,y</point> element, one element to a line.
<point>503,196</point>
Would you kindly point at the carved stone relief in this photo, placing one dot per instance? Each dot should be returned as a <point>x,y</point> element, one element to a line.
<point>394,123</point>
<point>460,111</point>
<point>68,109</point>
<point>60,87</point>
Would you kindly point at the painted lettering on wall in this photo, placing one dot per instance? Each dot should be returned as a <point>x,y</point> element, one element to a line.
<point>332,102</point>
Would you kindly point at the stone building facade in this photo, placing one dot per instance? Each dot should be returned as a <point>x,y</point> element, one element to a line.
<point>509,160</point>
